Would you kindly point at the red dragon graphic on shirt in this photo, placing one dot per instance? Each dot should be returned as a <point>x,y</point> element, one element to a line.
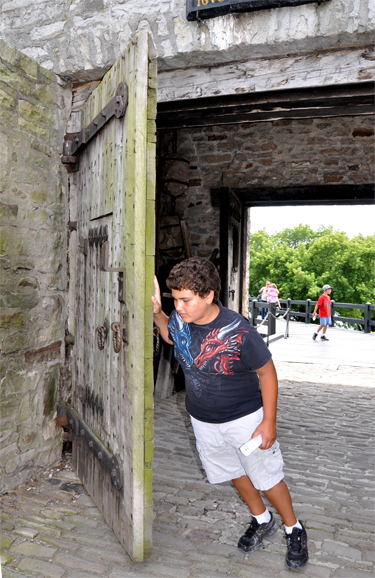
<point>222,347</point>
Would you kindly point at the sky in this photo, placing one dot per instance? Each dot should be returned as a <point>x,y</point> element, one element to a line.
<point>352,219</point>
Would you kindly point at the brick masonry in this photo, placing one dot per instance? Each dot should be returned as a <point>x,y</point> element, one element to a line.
<point>33,216</point>
<point>281,153</point>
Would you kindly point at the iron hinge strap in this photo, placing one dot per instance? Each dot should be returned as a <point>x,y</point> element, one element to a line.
<point>75,141</point>
<point>110,462</point>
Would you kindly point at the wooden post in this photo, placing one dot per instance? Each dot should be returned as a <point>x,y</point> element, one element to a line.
<point>367,326</point>
<point>333,311</point>
<point>308,311</point>
<point>271,318</point>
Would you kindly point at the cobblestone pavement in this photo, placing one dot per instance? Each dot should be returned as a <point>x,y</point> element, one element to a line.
<point>51,528</point>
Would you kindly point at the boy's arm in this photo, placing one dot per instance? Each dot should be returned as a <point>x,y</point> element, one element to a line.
<point>160,318</point>
<point>316,307</point>
<point>269,389</point>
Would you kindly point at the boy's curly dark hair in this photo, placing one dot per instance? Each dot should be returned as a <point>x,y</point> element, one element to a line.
<point>197,274</point>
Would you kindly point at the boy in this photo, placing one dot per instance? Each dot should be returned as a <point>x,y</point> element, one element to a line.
<point>231,396</point>
<point>324,304</point>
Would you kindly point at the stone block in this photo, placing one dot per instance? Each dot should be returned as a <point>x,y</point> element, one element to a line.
<point>48,74</point>
<point>349,573</point>
<point>333,178</point>
<point>60,543</point>
<point>25,175</point>
<point>39,196</point>
<point>26,299</point>
<point>162,569</point>
<point>20,461</point>
<point>41,146</point>
<point>82,521</point>
<point>8,54</point>
<point>14,80</point>
<point>13,343</point>
<point>9,406</point>
<point>45,94</point>
<point>5,558</point>
<point>29,66</point>
<point>30,549</point>
<point>32,129</point>
<point>44,354</point>
<point>8,212</point>
<point>363,132</point>
<point>8,436</point>
<point>36,113</point>
<point>28,282</point>
<point>78,563</point>
<point>41,568</point>
<point>51,387</point>
<point>29,533</point>
<point>27,439</point>
<point>341,549</point>
<point>20,264</point>
<point>40,527</point>
<point>5,542</point>
<point>24,413</point>
<point>4,178</point>
<point>13,384</point>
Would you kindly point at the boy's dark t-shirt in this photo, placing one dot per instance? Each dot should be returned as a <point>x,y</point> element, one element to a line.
<point>219,360</point>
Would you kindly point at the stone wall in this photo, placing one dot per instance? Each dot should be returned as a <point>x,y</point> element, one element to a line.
<point>283,153</point>
<point>33,219</point>
<point>81,39</point>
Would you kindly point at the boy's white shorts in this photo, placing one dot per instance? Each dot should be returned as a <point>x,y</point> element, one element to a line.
<point>218,446</point>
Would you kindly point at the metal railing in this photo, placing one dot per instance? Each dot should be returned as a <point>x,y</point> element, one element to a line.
<point>270,319</point>
<point>367,322</point>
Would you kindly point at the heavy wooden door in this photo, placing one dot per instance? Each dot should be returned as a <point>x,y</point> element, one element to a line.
<point>113,374</point>
<point>231,250</point>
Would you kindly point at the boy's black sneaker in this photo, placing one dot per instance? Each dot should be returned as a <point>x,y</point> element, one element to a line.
<point>324,338</point>
<point>315,335</point>
<point>297,555</point>
<point>253,537</point>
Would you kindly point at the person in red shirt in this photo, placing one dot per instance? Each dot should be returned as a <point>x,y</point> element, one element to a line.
<point>324,304</point>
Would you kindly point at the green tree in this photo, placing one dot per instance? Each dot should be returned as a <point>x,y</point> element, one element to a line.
<point>300,261</point>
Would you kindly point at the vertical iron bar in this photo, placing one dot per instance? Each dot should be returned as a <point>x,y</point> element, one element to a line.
<point>333,311</point>
<point>308,311</point>
<point>287,325</point>
<point>367,319</point>
<point>254,312</point>
<point>272,319</point>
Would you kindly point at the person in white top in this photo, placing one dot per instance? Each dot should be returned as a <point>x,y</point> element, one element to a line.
<point>263,297</point>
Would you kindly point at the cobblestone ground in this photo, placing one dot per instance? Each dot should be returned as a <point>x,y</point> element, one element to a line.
<point>51,528</point>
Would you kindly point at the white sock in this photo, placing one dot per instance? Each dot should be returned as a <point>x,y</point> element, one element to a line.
<point>263,518</point>
<point>289,529</point>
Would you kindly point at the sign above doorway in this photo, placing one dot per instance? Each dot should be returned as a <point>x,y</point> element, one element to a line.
<point>203,9</point>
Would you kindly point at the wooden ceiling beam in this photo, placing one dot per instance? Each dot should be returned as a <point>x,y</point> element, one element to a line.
<point>351,100</point>
<point>362,194</point>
